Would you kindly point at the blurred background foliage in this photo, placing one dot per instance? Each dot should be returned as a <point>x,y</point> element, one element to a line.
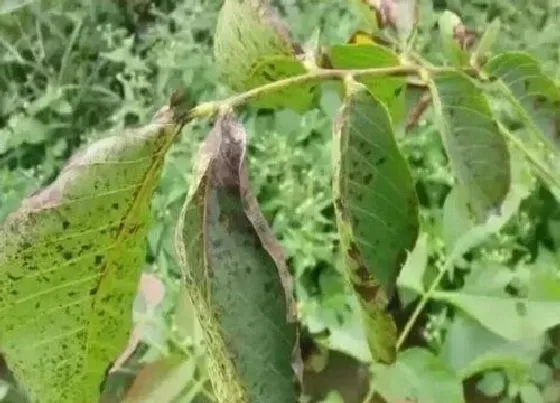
<point>72,71</point>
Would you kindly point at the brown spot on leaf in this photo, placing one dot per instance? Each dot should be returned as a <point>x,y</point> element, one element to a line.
<point>353,251</point>
<point>367,292</point>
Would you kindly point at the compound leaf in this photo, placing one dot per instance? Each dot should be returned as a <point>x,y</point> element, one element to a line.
<point>70,261</point>
<point>236,277</point>
<point>478,152</point>
<point>376,208</point>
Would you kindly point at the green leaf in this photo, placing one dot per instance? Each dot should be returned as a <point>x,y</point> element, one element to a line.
<point>477,150</point>
<point>253,46</point>
<point>470,348</point>
<point>520,318</point>
<point>70,260</point>
<point>535,99</point>
<point>236,276</point>
<point>412,274</point>
<point>452,33</point>
<point>376,209</point>
<point>298,97</point>
<point>417,376</point>
<point>389,90</point>
<point>486,42</point>
<point>492,384</point>
<point>529,393</point>
<point>461,233</point>
<point>369,17</point>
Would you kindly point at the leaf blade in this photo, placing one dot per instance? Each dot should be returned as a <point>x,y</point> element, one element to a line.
<point>74,251</point>
<point>236,277</point>
<point>389,90</point>
<point>376,209</point>
<point>478,152</point>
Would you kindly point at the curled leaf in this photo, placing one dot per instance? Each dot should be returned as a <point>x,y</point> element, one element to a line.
<point>237,278</point>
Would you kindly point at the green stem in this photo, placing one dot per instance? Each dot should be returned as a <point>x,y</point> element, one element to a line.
<point>425,298</point>
<point>209,108</point>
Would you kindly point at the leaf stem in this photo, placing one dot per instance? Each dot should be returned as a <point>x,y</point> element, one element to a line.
<point>425,297</point>
<point>209,108</point>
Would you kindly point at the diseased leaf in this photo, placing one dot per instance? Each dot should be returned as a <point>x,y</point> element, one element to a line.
<point>376,209</point>
<point>456,39</point>
<point>297,97</point>
<point>253,46</point>
<point>389,90</point>
<point>477,150</point>
<point>417,376</point>
<point>236,277</point>
<point>70,261</point>
<point>535,99</point>
<point>470,348</point>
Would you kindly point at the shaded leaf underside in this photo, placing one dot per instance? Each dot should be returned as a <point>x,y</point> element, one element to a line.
<point>477,150</point>
<point>376,209</point>
<point>536,101</point>
<point>237,278</point>
<point>70,260</point>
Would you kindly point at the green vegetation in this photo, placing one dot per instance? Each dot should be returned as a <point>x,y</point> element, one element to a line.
<point>361,202</point>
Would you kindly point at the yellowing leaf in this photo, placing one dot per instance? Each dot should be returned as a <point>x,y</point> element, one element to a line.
<point>70,260</point>
<point>237,278</point>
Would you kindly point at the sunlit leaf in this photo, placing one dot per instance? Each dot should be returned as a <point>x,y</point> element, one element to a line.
<point>389,90</point>
<point>417,376</point>
<point>253,46</point>
<point>236,277</point>
<point>477,150</point>
<point>470,348</point>
<point>70,261</point>
<point>376,209</point>
<point>535,99</point>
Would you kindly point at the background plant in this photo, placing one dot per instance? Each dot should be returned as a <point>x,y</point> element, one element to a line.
<point>311,250</point>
